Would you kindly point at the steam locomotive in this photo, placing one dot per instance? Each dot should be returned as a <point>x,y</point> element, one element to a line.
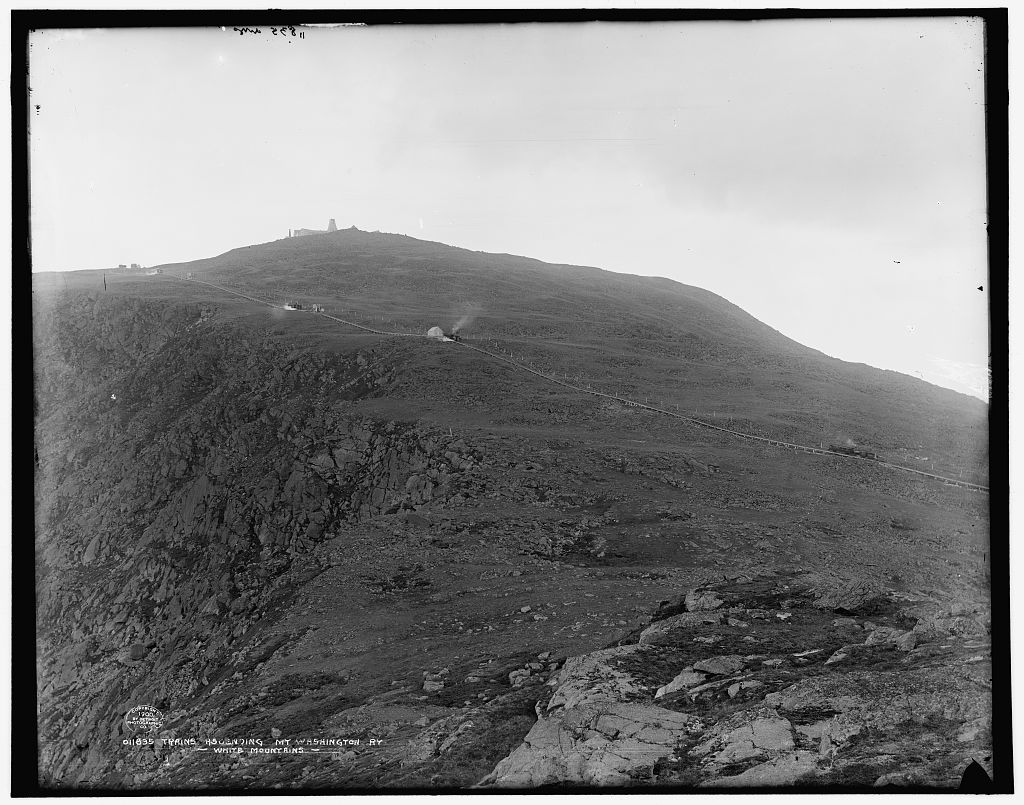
<point>853,451</point>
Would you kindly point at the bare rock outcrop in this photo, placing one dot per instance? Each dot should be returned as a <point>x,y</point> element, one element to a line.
<point>823,701</point>
<point>590,733</point>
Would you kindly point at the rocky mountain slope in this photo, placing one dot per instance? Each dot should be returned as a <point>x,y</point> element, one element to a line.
<point>273,528</point>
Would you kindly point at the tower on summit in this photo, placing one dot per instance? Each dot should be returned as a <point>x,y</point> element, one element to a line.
<point>299,233</point>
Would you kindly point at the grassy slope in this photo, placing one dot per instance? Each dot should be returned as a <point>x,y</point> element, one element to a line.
<point>648,338</point>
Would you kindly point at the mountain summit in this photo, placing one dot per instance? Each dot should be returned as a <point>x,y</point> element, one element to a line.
<point>680,345</point>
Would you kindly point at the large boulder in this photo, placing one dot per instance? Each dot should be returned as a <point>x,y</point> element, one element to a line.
<point>849,598</point>
<point>720,666</point>
<point>137,651</point>
<point>593,677</point>
<point>659,631</point>
<point>598,743</point>
<point>683,681</point>
<point>786,770</point>
<point>696,600</point>
<point>702,601</point>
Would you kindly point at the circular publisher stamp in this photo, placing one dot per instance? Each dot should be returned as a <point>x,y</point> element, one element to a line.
<point>143,718</point>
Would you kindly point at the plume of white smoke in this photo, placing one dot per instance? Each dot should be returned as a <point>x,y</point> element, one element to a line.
<point>467,318</point>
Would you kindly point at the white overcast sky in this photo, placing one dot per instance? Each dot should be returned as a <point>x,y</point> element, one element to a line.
<point>826,175</point>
